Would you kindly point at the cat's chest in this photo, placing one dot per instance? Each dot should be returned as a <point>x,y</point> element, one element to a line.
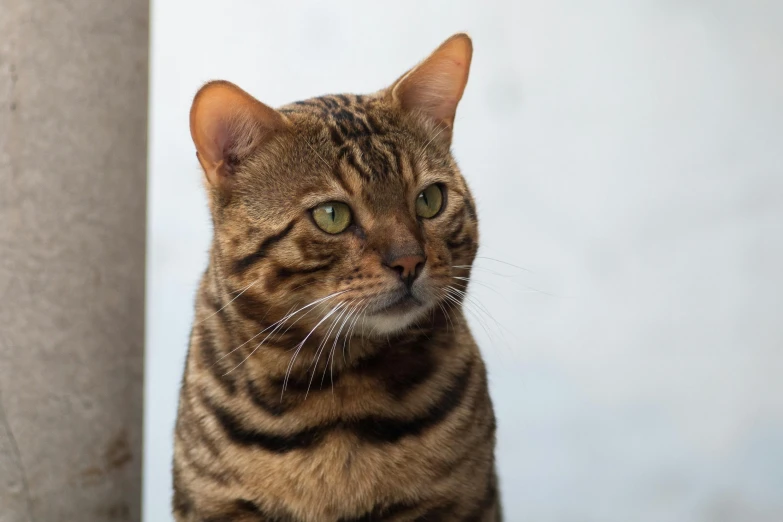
<point>344,475</point>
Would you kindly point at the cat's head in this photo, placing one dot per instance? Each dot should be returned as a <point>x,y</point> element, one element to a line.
<point>356,197</point>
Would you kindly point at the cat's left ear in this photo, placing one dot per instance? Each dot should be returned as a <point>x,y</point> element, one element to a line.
<point>435,86</point>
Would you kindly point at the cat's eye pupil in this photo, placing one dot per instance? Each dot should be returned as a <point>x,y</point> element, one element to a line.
<point>332,217</point>
<point>429,201</point>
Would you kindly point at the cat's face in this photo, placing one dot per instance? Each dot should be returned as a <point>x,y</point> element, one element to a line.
<point>353,203</point>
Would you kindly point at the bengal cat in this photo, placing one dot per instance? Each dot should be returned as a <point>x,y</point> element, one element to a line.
<point>331,374</point>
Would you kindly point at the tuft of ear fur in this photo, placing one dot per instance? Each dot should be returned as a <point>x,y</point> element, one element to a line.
<point>226,125</point>
<point>435,86</point>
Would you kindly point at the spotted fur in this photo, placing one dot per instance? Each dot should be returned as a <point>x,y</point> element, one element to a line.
<point>343,411</point>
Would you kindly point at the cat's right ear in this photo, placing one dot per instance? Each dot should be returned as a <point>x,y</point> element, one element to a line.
<point>226,125</point>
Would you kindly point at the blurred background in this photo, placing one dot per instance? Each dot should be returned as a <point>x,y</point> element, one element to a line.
<point>627,156</point>
<point>627,161</point>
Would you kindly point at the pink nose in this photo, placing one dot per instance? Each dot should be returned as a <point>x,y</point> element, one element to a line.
<point>408,267</point>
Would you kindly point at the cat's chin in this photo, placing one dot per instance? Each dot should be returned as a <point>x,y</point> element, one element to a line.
<point>389,323</point>
<point>395,318</point>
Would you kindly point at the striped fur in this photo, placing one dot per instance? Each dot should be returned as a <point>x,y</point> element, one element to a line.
<point>378,416</point>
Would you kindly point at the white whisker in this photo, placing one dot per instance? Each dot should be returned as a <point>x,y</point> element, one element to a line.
<point>228,303</point>
<point>470,300</point>
<point>298,348</point>
<point>362,313</point>
<point>466,281</point>
<point>322,345</point>
<point>435,135</point>
<point>504,263</point>
<point>285,318</point>
<point>448,317</point>
<point>480,319</point>
<point>316,153</point>
<point>279,325</point>
<point>347,332</point>
<point>474,267</point>
<point>331,353</point>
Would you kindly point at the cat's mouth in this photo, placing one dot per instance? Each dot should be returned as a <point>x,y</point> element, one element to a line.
<point>394,311</point>
<point>399,304</point>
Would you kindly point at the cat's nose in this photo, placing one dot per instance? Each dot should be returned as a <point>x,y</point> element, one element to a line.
<point>408,267</point>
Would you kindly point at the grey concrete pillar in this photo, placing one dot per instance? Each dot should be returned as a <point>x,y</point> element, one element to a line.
<point>73,121</point>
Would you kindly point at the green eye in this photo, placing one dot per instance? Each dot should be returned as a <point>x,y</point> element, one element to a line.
<point>333,217</point>
<point>429,201</point>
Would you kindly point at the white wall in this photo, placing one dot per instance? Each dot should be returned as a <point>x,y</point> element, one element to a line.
<point>628,154</point>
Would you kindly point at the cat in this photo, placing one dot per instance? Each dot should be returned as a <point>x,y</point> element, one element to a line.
<point>331,374</point>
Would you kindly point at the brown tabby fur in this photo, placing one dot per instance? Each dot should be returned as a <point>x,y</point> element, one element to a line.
<point>394,425</point>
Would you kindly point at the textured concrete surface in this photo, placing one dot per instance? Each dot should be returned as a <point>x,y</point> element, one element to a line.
<point>73,112</point>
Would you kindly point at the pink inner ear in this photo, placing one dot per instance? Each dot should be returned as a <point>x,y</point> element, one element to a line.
<point>212,132</point>
<point>218,136</point>
<point>435,86</point>
<point>226,124</point>
<point>436,92</point>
